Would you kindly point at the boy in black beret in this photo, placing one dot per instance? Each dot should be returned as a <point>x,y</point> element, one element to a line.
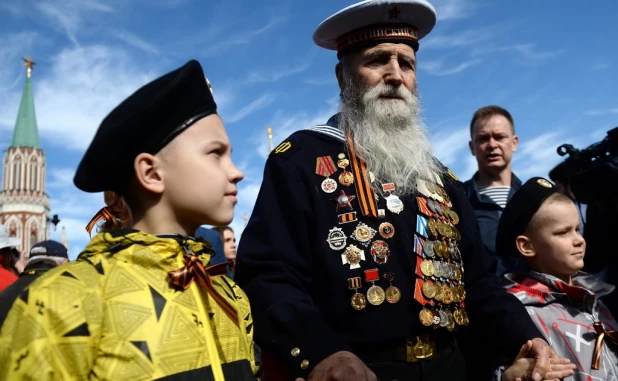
<point>542,225</point>
<point>143,303</point>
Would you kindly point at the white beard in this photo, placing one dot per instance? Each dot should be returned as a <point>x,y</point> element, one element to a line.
<point>389,135</point>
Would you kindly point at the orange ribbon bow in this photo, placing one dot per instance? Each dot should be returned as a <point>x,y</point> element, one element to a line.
<point>598,347</point>
<point>103,214</point>
<point>194,269</point>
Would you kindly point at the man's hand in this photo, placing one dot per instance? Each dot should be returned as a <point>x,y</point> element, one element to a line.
<point>544,357</point>
<point>341,366</point>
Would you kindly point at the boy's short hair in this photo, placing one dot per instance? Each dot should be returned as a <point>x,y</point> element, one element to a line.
<point>539,220</point>
<point>520,211</point>
<point>145,122</point>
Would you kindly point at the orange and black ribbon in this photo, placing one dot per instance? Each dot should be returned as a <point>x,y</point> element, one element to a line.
<point>598,347</point>
<point>194,269</point>
<point>365,195</point>
<point>102,215</point>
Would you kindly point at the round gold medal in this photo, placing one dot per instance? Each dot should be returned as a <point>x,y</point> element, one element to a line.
<point>458,317</point>
<point>429,290</point>
<point>358,301</point>
<point>426,317</point>
<point>451,322</point>
<point>448,295</point>
<point>427,268</point>
<point>439,293</point>
<point>375,295</point>
<point>393,294</point>
<point>433,227</point>
<point>458,275</point>
<point>346,178</point>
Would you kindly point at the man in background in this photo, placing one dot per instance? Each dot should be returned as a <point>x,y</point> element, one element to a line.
<point>492,143</point>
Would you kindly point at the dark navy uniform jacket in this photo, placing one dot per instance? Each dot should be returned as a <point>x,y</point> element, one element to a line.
<point>298,286</point>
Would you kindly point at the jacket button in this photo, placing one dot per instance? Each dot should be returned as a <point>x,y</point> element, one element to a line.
<point>304,364</point>
<point>295,352</point>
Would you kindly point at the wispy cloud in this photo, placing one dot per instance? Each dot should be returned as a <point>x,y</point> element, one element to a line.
<point>453,9</point>
<point>448,145</point>
<point>252,107</point>
<point>243,38</point>
<point>82,86</point>
<point>460,39</point>
<point>331,80</point>
<point>136,41</point>
<point>597,112</point>
<point>69,15</point>
<point>275,75</point>
<point>440,68</point>
<point>600,66</point>
<point>14,10</point>
<point>528,53</point>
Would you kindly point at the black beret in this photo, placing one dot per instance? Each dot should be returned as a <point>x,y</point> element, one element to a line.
<point>145,122</point>
<point>519,211</point>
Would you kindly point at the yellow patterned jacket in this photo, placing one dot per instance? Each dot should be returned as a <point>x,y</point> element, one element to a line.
<point>113,315</point>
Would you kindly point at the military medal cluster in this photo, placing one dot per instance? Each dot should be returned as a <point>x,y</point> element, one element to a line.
<point>439,284</point>
<point>364,237</point>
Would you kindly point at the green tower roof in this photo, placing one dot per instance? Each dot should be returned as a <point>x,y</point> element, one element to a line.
<point>26,133</point>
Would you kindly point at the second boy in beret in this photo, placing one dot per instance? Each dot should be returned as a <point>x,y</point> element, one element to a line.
<point>542,225</point>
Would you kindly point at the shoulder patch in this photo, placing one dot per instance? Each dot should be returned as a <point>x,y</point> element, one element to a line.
<point>285,149</point>
<point>452,174</point>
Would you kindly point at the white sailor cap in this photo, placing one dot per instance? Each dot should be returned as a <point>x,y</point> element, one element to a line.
<point>372,22</point>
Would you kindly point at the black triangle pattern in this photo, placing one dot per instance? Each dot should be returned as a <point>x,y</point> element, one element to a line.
<point>159,302</point>
<point>82,330</point>
<point>24,295</point>
<point>68,274</point>
<point>99,267</point>
<point>143,347</point>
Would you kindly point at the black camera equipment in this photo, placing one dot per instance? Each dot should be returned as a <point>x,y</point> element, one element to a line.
<point>592,172</point>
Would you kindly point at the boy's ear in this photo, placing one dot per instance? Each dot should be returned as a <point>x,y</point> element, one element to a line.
<point>524,246</point>
<point>148,173</point>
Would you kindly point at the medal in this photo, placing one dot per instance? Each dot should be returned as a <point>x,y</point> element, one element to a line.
<point>380,252</point>
<point>438,180</point>
<point>325,166</point>
<point>451,322</point>
<point>375,294</point>
<point>353,256</point>
<point>428,248</point>
<point>343,201</point>
<point>347,218</point>
<point>426,317</point>
<point>439,294</point>
<point>394,204</point>
<point>427,268</point>
<point>433,227</point>
<point>363,233</point>
<point>381,213</point>
<point>336,239</point>
<point>346,178</point>
<point>358,300</point>
<point>387,230</point>
<point>428,289</point>
<point>454,217</point>
<point>443,318</point>
<point>392,293</point>
<point>447,298</point>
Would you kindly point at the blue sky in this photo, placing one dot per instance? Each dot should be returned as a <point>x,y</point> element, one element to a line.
<point>553,64</point>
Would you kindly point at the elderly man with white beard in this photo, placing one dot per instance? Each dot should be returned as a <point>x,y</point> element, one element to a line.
<point>354,255</point>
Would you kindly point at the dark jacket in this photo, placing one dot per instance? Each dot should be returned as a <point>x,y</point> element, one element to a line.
<point>298,286</point>
<point>487,212</point>
<point>9,294</point>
